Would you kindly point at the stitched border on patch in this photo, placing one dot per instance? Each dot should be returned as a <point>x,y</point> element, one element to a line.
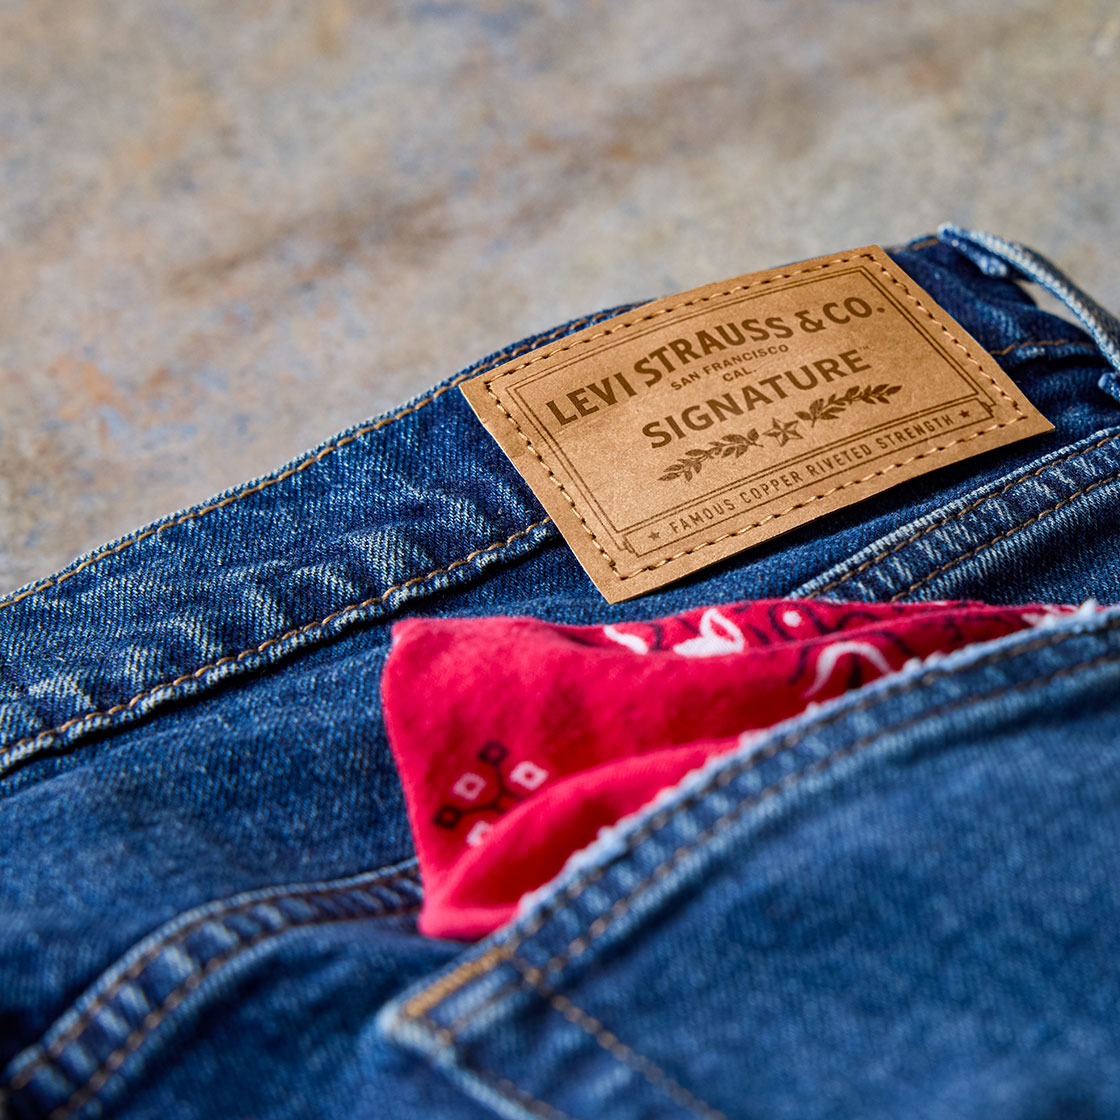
<point>303,464</point>
<point>943,521</point>
<point>488,383</point>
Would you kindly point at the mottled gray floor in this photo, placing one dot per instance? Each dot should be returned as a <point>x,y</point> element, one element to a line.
<point>229,229</point>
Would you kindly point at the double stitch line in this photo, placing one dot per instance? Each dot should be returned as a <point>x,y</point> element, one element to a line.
<point>559,483</point>
<point>26,748</point>
<point>1004,535</point>
<point>376,425</point>
<point>879,556</point>
<point>59,1044</point>
<point>136,1038</point>
<point>425,1001</point>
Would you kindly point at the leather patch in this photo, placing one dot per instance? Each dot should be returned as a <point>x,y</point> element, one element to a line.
<point>694,427</point>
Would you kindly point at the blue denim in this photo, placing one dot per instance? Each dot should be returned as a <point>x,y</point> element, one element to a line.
<point>905,902</point>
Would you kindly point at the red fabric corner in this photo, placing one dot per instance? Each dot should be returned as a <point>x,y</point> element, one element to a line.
<point>518,740</point>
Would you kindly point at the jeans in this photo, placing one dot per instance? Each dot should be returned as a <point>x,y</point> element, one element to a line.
<point>904,902</point>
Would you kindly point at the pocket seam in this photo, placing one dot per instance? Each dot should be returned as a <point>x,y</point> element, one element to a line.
<point>926,529</point>
<point>508,1089</point>
<point>615,1047</point>
<point>507,953</point>
<point>1003,536</point>
<point>581,943</point>
<point>420,1005</point>
<point>198,974</point>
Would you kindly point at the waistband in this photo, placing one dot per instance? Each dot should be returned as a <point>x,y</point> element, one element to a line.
<point>411,510</point>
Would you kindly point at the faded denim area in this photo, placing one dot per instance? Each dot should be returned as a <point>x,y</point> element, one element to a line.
<point>208,895</point>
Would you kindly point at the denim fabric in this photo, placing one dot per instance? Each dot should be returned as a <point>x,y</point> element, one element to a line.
<point>904,903</point>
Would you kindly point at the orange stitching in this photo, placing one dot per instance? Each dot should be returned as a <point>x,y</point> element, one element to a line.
<point>149,1023</point>
<point>579,944</point>
<point>1047,342</point>
<point>423,1002</point>
<point>116,1059</point>
<point>53,581</point>
<point>609,1041</point>
<point>618,1049</point>
<point>102,1001</point>
<point>754,524</point>
<point>47,736</point>
<point>504,1086</point>
<point>488,385</point>
<point>1002,536</point>
<point>497,996</point>
<point>960,513</point>
<point>724,778</point>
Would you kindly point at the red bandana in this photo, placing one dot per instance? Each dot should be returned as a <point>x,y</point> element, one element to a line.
<point>517,740</point>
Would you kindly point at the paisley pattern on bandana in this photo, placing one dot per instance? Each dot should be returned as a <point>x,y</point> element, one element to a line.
<point>517,740</point>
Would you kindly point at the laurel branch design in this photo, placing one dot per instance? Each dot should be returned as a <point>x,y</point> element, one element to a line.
<point>730,445</point>
<point>830,407</point>
<point>736,444</point>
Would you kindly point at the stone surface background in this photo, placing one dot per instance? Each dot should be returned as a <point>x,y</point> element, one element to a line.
<point>230,228</point>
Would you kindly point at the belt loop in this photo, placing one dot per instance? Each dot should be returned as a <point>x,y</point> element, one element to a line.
<point>996,257</point>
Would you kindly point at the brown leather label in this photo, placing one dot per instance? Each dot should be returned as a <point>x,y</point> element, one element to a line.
<point>694,427</point>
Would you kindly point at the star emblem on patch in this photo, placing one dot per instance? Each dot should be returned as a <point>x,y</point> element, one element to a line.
<point>783,433</point>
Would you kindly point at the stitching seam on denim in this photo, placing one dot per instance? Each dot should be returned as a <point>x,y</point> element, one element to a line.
<point>1046,342</point>
<point>744,528</point>
<point>384,422</point>
<point>46,738</point>
<point>961,513</point>
<point>611,563</point>
<point>503,1085</point>
<point>514,984</point>
<point>578,945</point>
<point>780,786</point>
<point>1002,536</point>
<point>107,1068</point>
<point>617,1049</point>
<point>55,1049</point>
<point>550,336</point>
<point>422,1003</point>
